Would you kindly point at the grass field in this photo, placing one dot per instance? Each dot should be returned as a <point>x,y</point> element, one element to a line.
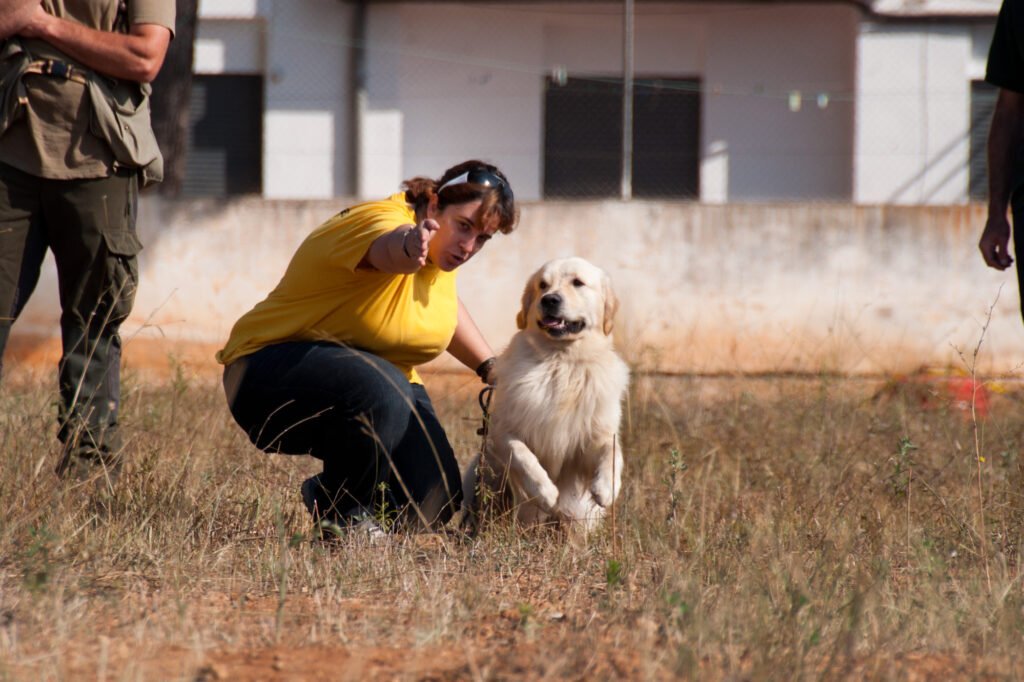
<point>800,528</point>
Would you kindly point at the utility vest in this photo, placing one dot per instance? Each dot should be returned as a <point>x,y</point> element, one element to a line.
<point>120,109</point>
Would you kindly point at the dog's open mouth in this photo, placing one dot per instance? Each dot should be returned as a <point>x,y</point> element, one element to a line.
<point>559,326</point>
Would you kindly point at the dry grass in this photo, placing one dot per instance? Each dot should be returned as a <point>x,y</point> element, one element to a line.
<point>769,529</point>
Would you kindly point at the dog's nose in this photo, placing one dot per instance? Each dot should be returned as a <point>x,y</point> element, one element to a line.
<point>550,302</point>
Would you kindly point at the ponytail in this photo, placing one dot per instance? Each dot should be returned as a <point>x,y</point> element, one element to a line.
<point>418,191</point>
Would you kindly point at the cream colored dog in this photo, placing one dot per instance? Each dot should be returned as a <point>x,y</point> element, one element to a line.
<point>553,451</point>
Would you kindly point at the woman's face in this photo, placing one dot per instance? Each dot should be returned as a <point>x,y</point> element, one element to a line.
<point>459,238</point>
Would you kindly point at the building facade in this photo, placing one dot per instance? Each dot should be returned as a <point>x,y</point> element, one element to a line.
<point>732,102</point>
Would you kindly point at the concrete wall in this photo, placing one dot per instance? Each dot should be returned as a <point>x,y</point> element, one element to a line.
<point>757,288</point>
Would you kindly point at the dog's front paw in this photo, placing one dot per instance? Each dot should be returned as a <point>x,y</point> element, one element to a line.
<point>547,497</point>
<point>603,490</point>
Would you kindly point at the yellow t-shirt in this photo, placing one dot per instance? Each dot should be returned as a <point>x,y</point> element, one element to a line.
<point>405,319</point>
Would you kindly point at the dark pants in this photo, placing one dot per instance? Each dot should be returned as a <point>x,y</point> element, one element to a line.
<point>90,227</point>
<point>377,434</point>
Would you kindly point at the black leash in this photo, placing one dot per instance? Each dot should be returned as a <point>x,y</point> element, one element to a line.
<point>485,404</point>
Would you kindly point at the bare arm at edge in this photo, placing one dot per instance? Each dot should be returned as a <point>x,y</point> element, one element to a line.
<point>1005,139</point>
<point>136,56</point>
<point>468,345</point>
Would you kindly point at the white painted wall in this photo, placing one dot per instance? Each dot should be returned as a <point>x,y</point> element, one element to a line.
<point>307,146</point>
<point>761,63</point>
<point>303,48</point>
<point>230,9</point>
<point>470,81</point>
<point>913,111</point>
<point>801,102</point>
<point>448,82</point>
<point>232,46</point>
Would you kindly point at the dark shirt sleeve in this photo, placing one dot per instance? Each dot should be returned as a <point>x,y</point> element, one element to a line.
<point>1005,58</point>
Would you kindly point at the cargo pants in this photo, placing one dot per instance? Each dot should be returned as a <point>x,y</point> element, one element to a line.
<point>89,225</point>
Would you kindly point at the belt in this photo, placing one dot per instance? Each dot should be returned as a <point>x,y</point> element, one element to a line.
<point>57,69</point>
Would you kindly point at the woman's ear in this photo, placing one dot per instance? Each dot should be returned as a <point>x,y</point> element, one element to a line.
<point>432,206</point>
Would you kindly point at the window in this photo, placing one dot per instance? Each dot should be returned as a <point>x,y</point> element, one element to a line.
<point>983,103</point>
<point>225,146</point>
<point>583,138</point>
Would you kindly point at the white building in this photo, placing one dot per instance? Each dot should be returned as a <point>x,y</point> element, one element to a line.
<point>734,102</point>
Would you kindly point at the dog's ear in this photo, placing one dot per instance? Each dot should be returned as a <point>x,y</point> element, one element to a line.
<point>523,316</point>
<point>611,304</point>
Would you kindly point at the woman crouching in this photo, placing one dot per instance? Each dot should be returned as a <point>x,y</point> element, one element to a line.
<point>326,364</point>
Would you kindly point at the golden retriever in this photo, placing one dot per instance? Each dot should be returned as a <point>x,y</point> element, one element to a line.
<point>553,451</point>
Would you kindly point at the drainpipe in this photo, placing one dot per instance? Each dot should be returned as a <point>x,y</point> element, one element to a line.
<point>627,100</point>
<point>358,102</point>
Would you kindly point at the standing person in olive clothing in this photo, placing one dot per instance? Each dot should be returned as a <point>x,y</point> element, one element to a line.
<point>69,179</point>
<point>1006,142</point>
<point>326,364</point>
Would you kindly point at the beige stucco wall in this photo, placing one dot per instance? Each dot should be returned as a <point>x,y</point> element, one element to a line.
<point>739,288</point>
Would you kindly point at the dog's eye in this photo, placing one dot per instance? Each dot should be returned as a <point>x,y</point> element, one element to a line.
<point>578,282</point>
<point>543,285</point>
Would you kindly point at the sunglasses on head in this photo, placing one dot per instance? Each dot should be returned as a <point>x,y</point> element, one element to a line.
<point>480,176</point>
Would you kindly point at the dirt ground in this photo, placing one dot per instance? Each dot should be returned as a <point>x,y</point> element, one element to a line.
<point>757,514</point>
<point>496,647</point>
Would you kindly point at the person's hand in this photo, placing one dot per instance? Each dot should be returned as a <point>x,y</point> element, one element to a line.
<point>994,242</point>
<point>15,14</point>
<point>416,241</point>
<point>35,27</point>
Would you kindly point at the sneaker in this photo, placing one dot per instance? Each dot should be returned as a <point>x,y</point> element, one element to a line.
<point>363,522</point>
<point>358,523</point>
<point>329,524</point>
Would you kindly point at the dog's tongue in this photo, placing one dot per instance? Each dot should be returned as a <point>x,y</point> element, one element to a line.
<point>550,322</point>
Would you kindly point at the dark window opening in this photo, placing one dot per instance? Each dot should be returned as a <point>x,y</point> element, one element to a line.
<point>225,146</point>
<point>583,138</point>
<point>983,103</point>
